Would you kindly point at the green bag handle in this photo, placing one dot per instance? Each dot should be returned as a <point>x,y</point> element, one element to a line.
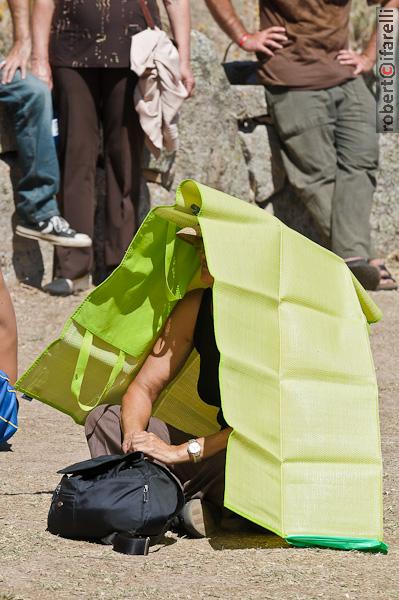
<point>169,254</point>
<point>80,370</point>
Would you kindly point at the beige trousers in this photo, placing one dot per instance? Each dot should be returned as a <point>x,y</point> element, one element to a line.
<point>204,480</point>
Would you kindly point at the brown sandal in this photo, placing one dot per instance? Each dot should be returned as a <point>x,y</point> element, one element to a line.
<point>387,280</point>
<point>368,275</point>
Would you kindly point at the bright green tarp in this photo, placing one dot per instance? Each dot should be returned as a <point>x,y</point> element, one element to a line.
<point>296,374</point>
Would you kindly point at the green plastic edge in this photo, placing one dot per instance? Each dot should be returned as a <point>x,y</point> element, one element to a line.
<point>338,543</point>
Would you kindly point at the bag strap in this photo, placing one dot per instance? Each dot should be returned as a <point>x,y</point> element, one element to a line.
<point>126,544</point>
<point>169,256</point>
<point>226,52</point>
<point>147,14</point>
<point>80,370</point>
<point>107,460</point>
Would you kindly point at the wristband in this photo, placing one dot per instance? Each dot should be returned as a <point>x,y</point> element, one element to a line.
<point>243,39</point>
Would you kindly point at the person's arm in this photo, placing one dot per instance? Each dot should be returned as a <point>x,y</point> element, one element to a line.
<point>152,446</point>
<point>266,40</point>
<point>8,333</point>
<point>19,54</point>
<point>180,22</point>
<point>167,357</point>
<point>364,61</point>
<point>42,14</point>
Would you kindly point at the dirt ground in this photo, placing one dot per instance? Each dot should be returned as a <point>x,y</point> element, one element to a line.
<point>36,565</point>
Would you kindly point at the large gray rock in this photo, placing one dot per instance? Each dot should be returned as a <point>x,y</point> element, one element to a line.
<point>202,21</point>
<point>251,110</point>
<point>385,214</point>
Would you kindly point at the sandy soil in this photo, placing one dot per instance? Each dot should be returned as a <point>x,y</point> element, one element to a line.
<point>37,565</point>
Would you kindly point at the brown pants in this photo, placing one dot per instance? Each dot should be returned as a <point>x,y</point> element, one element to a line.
<point>85,99</point>
<point>204,480</point>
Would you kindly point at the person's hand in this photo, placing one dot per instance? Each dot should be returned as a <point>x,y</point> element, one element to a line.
<point>41,69</point>
<point>17,59</point>
<point>265,41</point>
<point>187,78</point>
<point>361,62</point>
<point>151,445</point>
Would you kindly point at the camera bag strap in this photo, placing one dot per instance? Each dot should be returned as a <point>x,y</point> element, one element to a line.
<point>125,543</point>
<point>147,14</point>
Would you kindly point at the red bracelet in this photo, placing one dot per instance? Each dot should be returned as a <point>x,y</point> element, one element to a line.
<point>243,39</point>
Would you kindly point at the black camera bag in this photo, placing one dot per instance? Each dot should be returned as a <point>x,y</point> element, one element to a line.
<point>124,500</point>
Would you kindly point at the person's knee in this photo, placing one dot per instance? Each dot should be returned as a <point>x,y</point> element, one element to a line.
<point>94,417</point>
<point>361,159</point>
<point>368,158</point>
<point>37,94</point>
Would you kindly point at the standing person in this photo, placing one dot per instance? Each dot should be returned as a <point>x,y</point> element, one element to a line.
<point>28,103</point>
<point>324,133</point>
<point>90,56</point>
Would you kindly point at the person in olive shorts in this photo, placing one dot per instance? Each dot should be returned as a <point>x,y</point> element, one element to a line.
<point>89,55</point>
<point>323,139</point>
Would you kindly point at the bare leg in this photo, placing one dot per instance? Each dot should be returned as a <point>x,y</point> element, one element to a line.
<point>8,333</point>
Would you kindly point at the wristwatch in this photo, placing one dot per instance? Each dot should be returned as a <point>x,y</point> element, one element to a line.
<point>194,450</point>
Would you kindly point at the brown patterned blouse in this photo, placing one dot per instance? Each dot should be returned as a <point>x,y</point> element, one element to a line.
<point>96,33</point>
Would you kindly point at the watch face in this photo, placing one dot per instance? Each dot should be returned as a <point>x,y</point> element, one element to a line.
<point>194,447</point>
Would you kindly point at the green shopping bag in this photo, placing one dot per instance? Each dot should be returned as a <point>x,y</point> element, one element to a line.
<point>296,374</point>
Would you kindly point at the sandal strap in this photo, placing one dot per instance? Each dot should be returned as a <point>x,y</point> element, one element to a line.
<point>385,272</point>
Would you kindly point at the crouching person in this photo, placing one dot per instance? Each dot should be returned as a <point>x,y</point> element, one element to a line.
<point>199,463</point>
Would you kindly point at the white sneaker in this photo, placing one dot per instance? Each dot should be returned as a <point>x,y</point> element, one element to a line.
<point>55,230</point>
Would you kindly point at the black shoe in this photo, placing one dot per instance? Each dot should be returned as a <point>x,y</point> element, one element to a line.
<point>55,230</point>
<point>197,519</point>
<point>66,287</point>
<point>368,275</point>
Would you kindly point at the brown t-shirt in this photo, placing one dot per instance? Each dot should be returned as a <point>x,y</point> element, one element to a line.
<point>316,31</point>
<point>96,33</point>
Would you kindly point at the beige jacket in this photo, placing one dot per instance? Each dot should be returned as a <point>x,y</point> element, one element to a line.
<point>160,91</point>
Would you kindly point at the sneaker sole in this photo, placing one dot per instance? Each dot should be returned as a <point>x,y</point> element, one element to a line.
<point>82,284</point>
<point>52,239</point>
<point>59,293</point>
